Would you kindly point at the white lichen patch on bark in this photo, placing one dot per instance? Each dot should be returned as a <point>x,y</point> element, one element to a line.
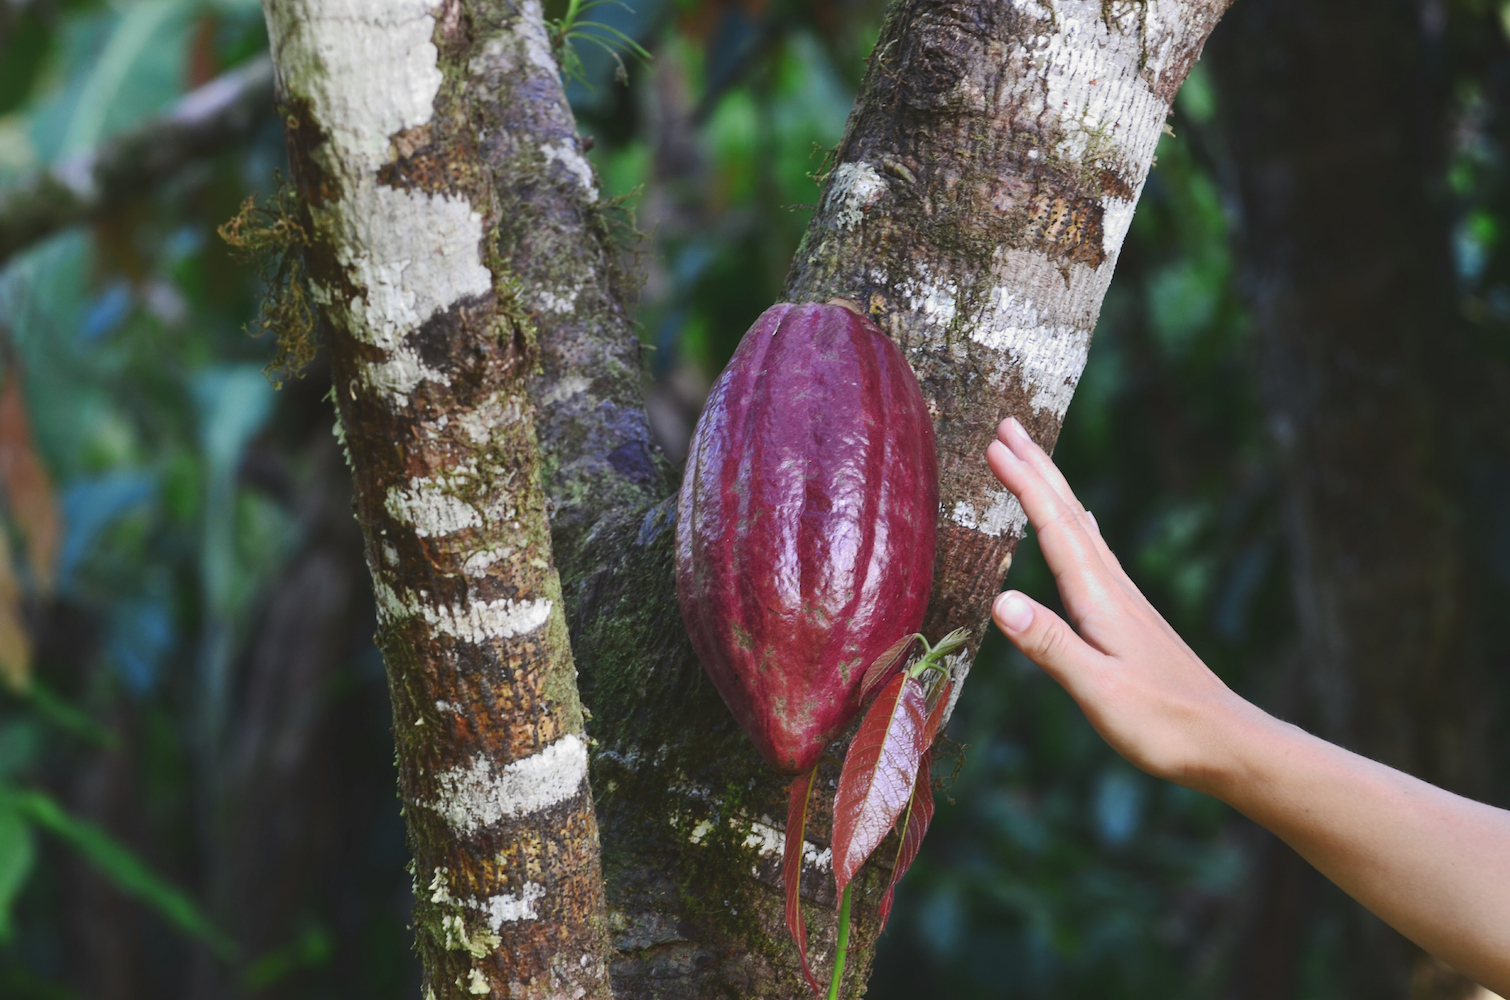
<point>440,886</point>
<point>853,188</point>
<point>934,301</point>
<point>566,388</point>
<point>560,304</point>
<point>1002,515</point>
<point>480,795</point>
<point>1032,348</point>
<point>498,410</point>
<point>567,155</point>
<point>431,506</point>
<point>508,908</point>
<point>958,666</point>
<point>1096,75</point>
<point>769,841</point>
<point>475,621</point>
<point>478,562</point>
<point>368,72</point>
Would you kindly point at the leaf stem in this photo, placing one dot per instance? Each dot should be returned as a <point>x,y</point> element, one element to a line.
<point>842,951</point>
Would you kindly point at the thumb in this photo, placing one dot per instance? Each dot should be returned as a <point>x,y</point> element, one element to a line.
<point>1043,637</point>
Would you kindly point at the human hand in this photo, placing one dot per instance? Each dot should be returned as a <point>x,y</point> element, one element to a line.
<point>1142,688</point>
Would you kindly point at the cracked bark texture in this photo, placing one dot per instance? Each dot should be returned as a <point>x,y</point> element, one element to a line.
<point>1336,127</point>
<point>430,346</point>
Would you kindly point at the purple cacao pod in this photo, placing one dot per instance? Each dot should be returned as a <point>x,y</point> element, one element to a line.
<point>805,528</point>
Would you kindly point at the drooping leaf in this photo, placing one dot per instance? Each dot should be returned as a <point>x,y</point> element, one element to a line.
<point>882,667</point>
<point>878,775</point>
<point>129,872</point>
<point>28,488</point>
<point>69,718</point>
<point>791,868</point>
<point>914,822</point>
<point>913,827</point>
<point>16,856</point>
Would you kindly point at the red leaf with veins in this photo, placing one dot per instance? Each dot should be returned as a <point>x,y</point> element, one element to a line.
<point>881,668</point>
<point>915,825</point>
<point>879,772</point>
<point>919,809</point>
<point>791,868</point>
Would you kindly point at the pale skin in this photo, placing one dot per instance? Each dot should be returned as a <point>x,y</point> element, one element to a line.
<point>1433,865</point>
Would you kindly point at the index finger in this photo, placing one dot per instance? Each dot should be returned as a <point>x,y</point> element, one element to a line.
<point>1020,443</point>
<point>1083,578</point>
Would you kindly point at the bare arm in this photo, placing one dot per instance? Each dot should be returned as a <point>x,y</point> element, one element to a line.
<point>1434,865</point>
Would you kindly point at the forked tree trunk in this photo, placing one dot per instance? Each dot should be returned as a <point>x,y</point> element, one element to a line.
<point>976,209</point>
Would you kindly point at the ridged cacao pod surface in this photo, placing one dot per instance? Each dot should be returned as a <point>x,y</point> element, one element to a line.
<point>806,523</point>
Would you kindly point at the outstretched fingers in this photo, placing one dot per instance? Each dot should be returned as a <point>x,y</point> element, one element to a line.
<point>1073,520</point>
<point>1084,580</point>
<point>1012,434</point>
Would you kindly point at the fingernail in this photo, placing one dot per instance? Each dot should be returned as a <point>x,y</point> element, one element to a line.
<point>1014,424</point>
<point>1013,611</point>
<point>1093,521</point>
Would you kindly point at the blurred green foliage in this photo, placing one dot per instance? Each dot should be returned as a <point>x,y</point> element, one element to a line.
<point>196,504</point>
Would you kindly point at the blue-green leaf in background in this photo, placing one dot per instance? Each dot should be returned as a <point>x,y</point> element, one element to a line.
<point>132,59</point>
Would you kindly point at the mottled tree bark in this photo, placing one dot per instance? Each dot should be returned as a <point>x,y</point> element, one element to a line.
<point>430,345</point>
<point>1335,131</point>
<point>978,203</point>
<point>977,208</point>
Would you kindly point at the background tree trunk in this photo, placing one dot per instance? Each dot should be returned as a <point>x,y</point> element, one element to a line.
<point>1337,129</point>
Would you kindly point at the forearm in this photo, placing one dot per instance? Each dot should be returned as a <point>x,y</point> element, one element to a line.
<point>1433,865</point>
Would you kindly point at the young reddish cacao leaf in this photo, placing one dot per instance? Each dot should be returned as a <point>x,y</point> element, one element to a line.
<point>791,868</point>
<point>806,523</point>
<point>881,669</point>
<point>914,826</point>
<point>879,772</point>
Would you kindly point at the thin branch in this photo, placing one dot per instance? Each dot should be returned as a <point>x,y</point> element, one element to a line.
<point>203,122</point>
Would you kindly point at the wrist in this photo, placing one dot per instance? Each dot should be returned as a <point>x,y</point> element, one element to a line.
<point>1238,738</point>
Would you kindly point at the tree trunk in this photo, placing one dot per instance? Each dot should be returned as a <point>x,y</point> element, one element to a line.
<point>1336,130</point>
<point>430,345</point>
<point>976,209</point>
